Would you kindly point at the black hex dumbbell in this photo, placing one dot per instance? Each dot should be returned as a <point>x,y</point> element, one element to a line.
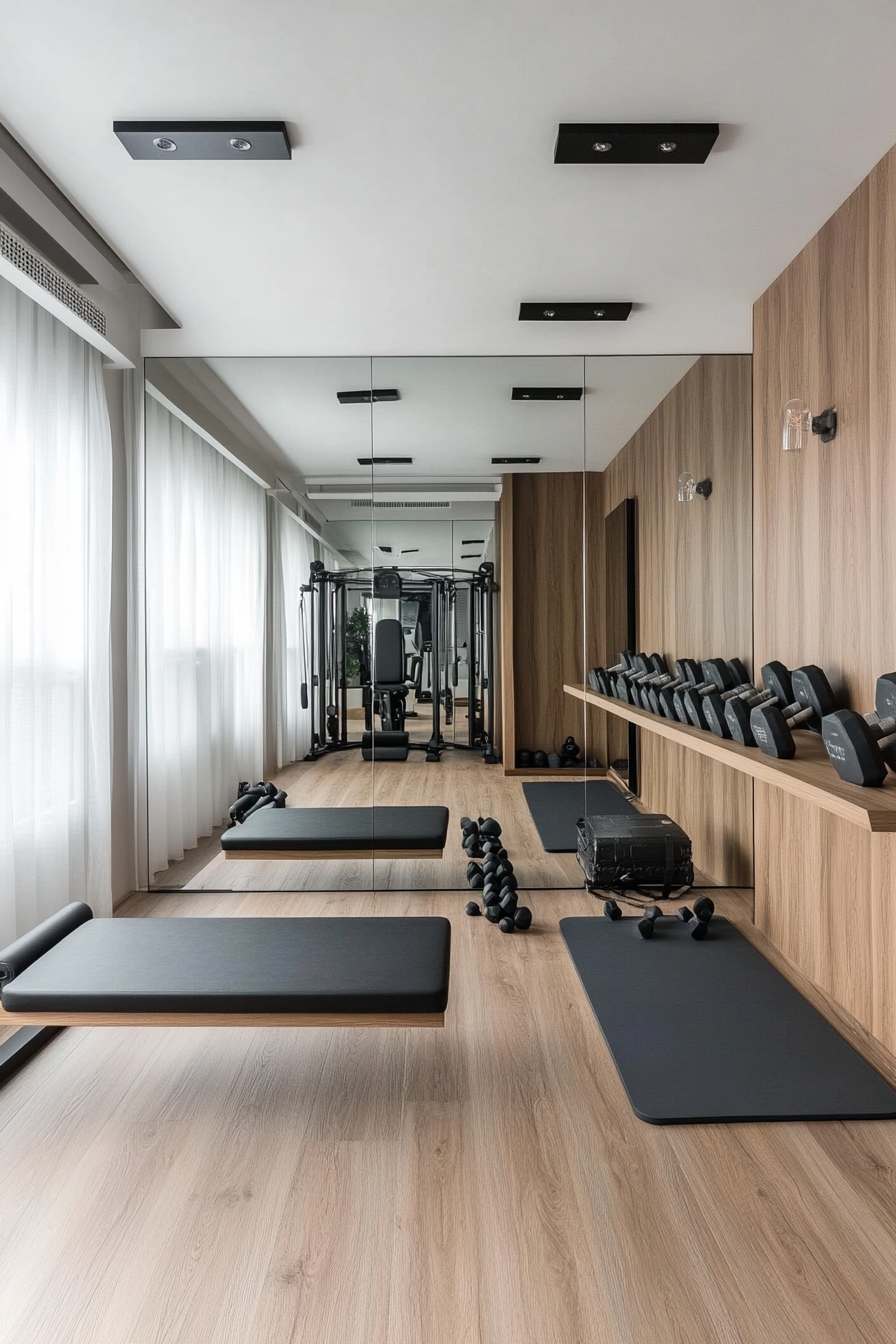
<point>862,747</point>
<point>772,728</point>
<point>807,685</point>
<point>812,690</point>
<point>737,715</point>
<point>715,706</point>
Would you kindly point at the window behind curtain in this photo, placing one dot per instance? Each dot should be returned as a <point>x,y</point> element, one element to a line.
<point>292,551</point>
<point>55,601</point>
<point>205,574</point>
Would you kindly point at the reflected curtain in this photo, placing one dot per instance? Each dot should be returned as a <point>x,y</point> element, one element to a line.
<point>205,593</point>
<point>292,551</point>
<point>55,605</point>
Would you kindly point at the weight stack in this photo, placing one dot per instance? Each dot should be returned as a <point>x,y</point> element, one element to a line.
<point>385,746</point>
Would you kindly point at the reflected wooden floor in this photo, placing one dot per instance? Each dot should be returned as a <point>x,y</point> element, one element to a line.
<point>462,782</point>
<point>483,1184</point>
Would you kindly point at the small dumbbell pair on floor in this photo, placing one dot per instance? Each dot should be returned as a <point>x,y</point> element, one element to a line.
<point>697,919</point>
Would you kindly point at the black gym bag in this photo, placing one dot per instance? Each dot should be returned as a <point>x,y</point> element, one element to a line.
<point>622,854</point>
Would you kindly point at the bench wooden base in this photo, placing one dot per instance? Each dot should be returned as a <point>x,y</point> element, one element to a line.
<point>72,1019</point>
<point>291,855</point>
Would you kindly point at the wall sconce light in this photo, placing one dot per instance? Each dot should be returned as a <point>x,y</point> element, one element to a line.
<point>798,423</point>
<point>688,488</point>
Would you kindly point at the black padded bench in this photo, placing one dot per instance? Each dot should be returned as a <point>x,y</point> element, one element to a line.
<point>335,832</point>
<point>74,970</point>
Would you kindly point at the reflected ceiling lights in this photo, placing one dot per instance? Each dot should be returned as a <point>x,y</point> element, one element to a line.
<point>385,461</point>
<point>595,311</point>
<point>364,396</point>
<point>547,394</point>
<point>635,142</point>
<point>204,139</point>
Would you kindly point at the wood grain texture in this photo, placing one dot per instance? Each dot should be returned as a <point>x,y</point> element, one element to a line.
<point>694,582</point>
<point>309,855</point>
<point>547,641</point>
<point>487,1183</point>
<point>809,775</point>
<point>825,576</point>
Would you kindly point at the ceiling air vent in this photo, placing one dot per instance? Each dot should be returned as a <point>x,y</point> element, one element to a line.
<point>12,249</point>
<point>399,504</point>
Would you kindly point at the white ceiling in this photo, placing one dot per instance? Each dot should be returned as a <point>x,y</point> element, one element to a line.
<point>422,204</point>
<point>454,415</point>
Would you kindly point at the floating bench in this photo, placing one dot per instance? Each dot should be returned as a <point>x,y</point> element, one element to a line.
<point>74,970</point>
<point>338,833</point>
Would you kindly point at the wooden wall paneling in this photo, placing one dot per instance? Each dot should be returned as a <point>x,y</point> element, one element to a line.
<point>548,608</point>
<point>595,608</point>
<point>713,803</point>
<point>695,579</point>
<point>825,577</point>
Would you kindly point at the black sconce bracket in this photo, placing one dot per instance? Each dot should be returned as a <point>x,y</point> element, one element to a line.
<point>704,488</point>
<point>825,425</point>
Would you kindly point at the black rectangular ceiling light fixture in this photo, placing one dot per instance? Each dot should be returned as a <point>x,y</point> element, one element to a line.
<point>547,394</point>
<point>204,139</point>
<point>385,461</point>
<point>595,311</point>
<point>515,461</point>
<point>474,541</point>
<point>635,142</point>
<point>365,396</point>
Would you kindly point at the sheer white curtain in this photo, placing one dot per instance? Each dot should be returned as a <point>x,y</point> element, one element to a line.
<point>205,588</point>
<point>292,551</point>
<point>55,601</point>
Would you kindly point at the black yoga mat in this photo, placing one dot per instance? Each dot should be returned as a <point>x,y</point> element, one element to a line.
<point>557,806</point>
<point>709,1032</point>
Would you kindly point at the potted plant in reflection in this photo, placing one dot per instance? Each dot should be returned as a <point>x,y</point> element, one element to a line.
<point>357,647</point>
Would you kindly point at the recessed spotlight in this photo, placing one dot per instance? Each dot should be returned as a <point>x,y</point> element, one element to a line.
<point>204,139</point>
<point>546,394</point>
<point>365,395</point>
<point>515,461</point>
<point>575,312</point>
<point>385,461</point>
<point>635,142</point>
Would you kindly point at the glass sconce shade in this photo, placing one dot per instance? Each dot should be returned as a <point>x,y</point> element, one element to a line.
<point>796,426</point>
<point>687,488</point>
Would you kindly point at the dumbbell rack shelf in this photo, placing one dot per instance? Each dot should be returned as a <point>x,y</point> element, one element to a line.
<point>809,775</point>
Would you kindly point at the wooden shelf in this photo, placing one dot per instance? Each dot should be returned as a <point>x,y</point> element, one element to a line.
<point>809,776</point>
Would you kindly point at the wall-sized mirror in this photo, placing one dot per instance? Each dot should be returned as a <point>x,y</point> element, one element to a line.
<point>376,584</point>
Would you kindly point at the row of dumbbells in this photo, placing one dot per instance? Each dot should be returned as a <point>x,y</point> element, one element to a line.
<point>495,877</point>
<point>717,695</point>
<point>697,919</point>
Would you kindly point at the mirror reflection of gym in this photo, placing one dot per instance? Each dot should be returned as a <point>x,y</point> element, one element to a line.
<point>422,597</point>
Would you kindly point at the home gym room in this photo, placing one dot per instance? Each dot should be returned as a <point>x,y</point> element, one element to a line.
<point>446,687</point>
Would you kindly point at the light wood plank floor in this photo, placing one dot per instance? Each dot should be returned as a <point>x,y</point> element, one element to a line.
<point>461,782</point>
<point>482,1184</point>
